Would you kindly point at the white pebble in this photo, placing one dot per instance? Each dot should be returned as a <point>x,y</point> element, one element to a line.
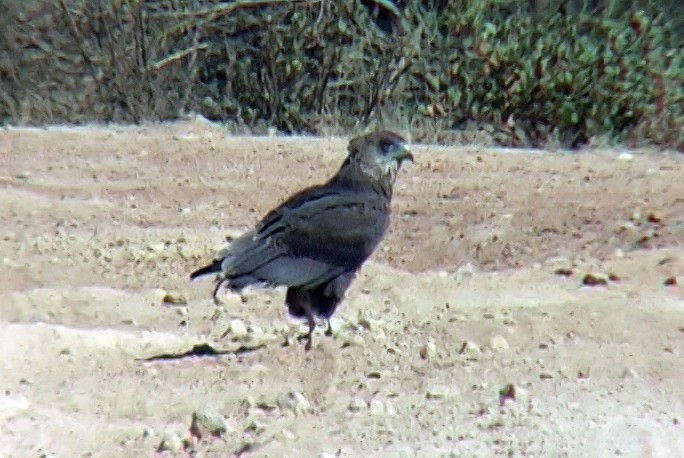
<point>237,328</point>
<point>498,343</point>
<point>376,407</point>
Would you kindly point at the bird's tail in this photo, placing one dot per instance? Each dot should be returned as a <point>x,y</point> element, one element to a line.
<point>213,268</point>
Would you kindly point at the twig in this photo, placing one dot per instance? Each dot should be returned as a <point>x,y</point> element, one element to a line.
<point>176,56</point>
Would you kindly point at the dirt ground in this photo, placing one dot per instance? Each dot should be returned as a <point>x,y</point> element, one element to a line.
<point>470,332</point>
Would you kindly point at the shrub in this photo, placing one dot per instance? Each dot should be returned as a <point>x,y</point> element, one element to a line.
<point>526,73</point>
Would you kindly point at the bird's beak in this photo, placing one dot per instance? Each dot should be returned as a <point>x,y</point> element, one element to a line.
<point>404,154</point>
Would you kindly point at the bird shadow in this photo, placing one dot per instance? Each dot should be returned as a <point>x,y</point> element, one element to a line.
<point>203,350</point>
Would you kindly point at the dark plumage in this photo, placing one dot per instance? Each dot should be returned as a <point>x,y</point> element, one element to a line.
<point>315,242</point>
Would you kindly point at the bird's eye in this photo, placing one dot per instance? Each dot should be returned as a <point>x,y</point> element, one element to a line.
<point>385,145</point>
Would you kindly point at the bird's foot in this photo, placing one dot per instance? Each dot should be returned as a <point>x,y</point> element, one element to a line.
<point>309,340</point>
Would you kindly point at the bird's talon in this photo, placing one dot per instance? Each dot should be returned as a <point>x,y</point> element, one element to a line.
<point>329,330</point>
<point>309,341</point>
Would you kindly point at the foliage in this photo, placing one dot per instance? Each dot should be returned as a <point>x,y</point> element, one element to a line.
<point>529,76</point>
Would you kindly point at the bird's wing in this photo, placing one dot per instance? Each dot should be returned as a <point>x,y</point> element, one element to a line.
<point>313,237</point>
<point>337,227</point>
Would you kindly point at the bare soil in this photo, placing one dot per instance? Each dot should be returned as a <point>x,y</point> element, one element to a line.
<point>470,331</point>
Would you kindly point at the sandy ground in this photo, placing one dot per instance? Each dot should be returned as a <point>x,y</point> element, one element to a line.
<point>470,331</point>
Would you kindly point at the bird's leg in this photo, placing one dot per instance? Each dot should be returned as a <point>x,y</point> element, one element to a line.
<point>329,331</point>
<point>306,307</point>
<point>217,302</point>
<point>217,290</point>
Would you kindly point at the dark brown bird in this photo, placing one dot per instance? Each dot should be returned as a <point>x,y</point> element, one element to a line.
<point>316,241</point>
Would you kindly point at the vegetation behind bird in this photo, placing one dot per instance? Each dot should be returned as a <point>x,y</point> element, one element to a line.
<point>523,73</point>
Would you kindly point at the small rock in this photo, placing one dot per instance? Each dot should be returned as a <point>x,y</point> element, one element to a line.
<point>267,404</point>
<point>628,226</point>
<point>174,298</point>
<point>66,351</point>
<point>464,272</point>
<point>353,340</point>
<point>208,420</point>
<point>357,404</point>
<point>376,407</point>
<point>498,343</point>
<point>171,442</point>
<point>289,435</point>
<point>148,432</point>
<point>512,393</point>
<point>158,295</point>
<point>256,333</point>
<point>294,401</point>
<point>379,336</point>
<point>255,426</point>
<point>375,375</point>
<point>470,349</point>
<point>545,376</point>
<point>595,279</point>
<point>563,271</point>
<point>655,217</point>
<point>156,247</point>
<point>626,157</point>
<point>11,406</point>
<point>369,323</point>
<point>629,373</point>
<point>671,281</point>
<point>438,392</point>
<point>237,328</point>
<point>583,374</point>
<point>428,351</point>
<point>389,408</point>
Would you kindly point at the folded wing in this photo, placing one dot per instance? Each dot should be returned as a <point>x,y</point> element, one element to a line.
<point>313,238</point>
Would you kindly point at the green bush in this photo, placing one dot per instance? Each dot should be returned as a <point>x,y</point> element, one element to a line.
<point>560,77</point>
<point>525,72</point>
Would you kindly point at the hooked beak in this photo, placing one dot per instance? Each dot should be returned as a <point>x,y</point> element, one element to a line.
<point>404,154</point>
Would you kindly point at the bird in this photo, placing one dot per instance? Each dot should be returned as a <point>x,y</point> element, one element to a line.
<point>316,241</point>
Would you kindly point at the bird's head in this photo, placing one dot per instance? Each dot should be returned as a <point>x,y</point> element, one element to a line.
<point>380,154</point>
